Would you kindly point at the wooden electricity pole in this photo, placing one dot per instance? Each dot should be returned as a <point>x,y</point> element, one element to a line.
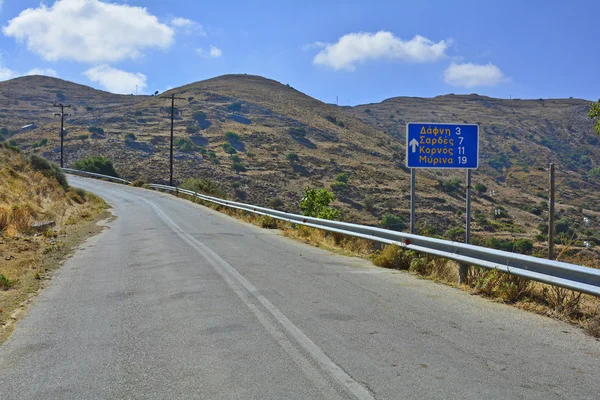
<point>62,130</point>
<point>551,214</point>
<point>173,98</point>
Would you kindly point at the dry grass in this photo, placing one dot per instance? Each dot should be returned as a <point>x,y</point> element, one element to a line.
<point>28,257</point>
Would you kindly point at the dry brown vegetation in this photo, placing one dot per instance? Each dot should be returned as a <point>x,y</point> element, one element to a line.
<point>28,255</point>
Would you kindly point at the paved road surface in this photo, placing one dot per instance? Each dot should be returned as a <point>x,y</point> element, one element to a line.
<point>175,301</point>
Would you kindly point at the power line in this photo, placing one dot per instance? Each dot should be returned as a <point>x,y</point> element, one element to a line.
<point>62,130</point>
<point>173,98</point>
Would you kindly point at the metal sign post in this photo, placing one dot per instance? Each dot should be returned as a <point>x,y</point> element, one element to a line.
<point>443,146</point>
<point>463,271</point>
<point>413,178</point>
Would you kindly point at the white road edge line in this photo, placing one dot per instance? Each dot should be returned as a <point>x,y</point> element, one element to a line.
<point>228,272</point>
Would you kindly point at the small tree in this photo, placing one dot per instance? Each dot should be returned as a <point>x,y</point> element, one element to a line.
<point>315,203</point>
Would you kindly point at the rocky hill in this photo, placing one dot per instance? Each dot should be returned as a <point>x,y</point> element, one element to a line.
<point>284,140</point>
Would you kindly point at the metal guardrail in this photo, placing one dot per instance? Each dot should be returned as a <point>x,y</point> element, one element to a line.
<point>85,173</point>
<point>569,276</point>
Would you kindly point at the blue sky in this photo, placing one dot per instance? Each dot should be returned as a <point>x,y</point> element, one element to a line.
<point>361,51</point>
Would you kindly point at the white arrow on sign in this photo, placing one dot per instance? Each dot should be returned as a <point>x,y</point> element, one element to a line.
<point>414,143</point>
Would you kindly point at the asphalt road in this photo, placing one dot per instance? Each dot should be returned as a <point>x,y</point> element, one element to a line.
<point>176,301</point>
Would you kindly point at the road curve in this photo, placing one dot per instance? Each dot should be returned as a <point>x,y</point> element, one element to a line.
<point>176,301</point>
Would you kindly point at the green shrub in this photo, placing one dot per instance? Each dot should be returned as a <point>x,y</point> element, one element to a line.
<point>89,108</point>
<point>236,185</point>
<point>83,137</point>
<point>456,234</point>
<point>292,157</point>
<point>138,183</point>
<point>297,131</point>
<point>185,145</point>
<point>232,137</point>
<point>451,185</point>
<point>199,116</point>
<point>49,169</point>
<point>594,174</point>
<point>481,188</point>
<point>96,164</point>
<point>540,238</point>
<point>191,129</point>
<point>96,130</point>
<point>5,283</point>
<point>343,177</point>
<point>130,137</point>
<point>238,167</point>
<point>138,113</point>
<point>315,203</point>
<point>204,186</point>
<point>9,146</point>
<point>523,246</point>
<point>41,143</point>
<point>340,187</point>
<point>393,222</point>
<point>229,149</point>
<point>236,158</point>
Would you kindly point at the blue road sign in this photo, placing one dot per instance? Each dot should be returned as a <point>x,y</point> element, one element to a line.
<point>433,145</point>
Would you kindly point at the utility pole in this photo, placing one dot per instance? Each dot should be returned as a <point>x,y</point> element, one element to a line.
<point>62,130</point>
<point>551,214</point>
<point>173,98</point>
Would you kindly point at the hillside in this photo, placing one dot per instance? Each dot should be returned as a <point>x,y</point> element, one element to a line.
<point>270,121</point>
<point>41,220</point>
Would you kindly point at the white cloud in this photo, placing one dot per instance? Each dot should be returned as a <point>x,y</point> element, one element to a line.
<point>89,31</point>
<point>188,26</point>
<point>117,81</point>
<point>43,72</point>
<point>470,75</point>
<point>7,73</point>
<point>358,47</point>
<point>213,52</point>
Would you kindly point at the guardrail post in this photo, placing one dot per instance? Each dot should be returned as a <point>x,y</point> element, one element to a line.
<point>463,271</point>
